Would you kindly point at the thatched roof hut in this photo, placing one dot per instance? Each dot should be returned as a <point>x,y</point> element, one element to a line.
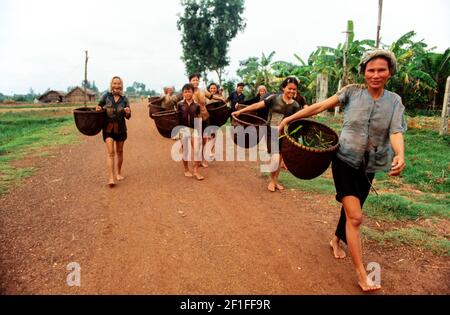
<point>76,95</point>
<point>52,96</point>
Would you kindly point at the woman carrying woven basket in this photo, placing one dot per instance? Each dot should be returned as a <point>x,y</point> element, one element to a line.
<point>279,106</point>
<point>213,97</point>
<point>115,131</point>
<point>371,140</point>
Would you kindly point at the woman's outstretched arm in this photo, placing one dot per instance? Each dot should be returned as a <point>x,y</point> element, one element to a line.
<point>312,110</point>
<point>250,108</point>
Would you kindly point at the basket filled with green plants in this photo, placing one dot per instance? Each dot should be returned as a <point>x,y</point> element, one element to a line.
<point>307,147</point>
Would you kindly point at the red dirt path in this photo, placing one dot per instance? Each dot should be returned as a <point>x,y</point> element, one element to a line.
<point>160,233</point>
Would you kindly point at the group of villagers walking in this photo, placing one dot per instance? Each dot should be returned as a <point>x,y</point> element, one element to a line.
<point>371,139</point>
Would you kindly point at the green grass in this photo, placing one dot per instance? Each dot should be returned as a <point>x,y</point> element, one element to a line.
<point>319,185</point>
<point>428,160</point>
<point>412,236</point>
<point>10,175</point>
<point>392,207</point>
<point>29,134</point>
<point>30,106</point>
<point>423,112</point>
<point>334,122</point>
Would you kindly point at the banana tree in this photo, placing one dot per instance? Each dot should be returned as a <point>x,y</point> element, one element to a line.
<point>412,80</point>
<point>438,67</point>
<point>256,71</point>
<point>302,72</point>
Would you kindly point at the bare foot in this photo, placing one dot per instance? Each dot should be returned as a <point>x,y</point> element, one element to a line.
<point>188,174</point>
<point>279,186</point>
<point>338,252</point>
<point>198,176</point>
<point>271,187</point>
<point>369,285</point>
<point>120,177</point>
<point>204,164</point>
<point>111,183</point>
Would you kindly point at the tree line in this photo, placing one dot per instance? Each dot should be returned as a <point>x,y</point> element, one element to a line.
<point>137,89</point>
<point>208,26</point>
<point>420,78</point>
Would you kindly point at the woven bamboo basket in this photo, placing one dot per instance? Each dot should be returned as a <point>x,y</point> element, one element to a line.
<point>303,161</point>
<point>252,135</point>
<point>154,105</point>
<point>165,121</point>
<point>219,113</point>
<point>89,121</point>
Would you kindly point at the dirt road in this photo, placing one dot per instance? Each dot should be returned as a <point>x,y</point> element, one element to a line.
<point>158,232</point>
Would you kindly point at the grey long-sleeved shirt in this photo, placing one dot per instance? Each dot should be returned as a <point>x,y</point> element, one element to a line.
<point>368,123</point>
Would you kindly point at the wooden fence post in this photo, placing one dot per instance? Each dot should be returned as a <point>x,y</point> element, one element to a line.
<point>85,77</point>
<point>322,89</point>
<point>445,109</point>
<point>337,108</point>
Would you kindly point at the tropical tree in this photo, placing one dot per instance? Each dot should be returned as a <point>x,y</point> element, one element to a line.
<point>256,71</point>
<point>420,79</point>
<point>302,72</point>
<point>438,66</point>
<point>207,27</point>
<point>412,82</point>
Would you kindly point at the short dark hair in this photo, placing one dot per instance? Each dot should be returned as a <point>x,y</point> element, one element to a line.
<point>289,80</point>
<point>187,86</point>
<point>193,75</point>
<point>240,84</point>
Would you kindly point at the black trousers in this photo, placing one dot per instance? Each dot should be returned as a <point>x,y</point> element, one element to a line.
<point>349,182</point>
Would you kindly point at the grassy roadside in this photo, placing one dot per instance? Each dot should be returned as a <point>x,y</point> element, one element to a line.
<point>422,193</point>
<point>51,105</point>
<point>29,134</point>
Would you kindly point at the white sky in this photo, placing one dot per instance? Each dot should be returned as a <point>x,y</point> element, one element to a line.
<point>42,43</point>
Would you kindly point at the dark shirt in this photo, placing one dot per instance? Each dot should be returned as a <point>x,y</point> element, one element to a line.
<point>234,99</point>
<point>188,113</point>
<point>262,112</point>
<point>115,111</point>
<point>278,107</point>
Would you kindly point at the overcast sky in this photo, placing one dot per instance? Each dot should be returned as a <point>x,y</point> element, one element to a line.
<point>42,43</point>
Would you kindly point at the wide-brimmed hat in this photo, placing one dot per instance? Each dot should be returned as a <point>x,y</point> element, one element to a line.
<point>371,54</point>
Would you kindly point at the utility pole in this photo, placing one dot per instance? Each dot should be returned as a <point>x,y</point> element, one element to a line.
<point>380,10</point>
<point>344,81</point>
<point>345,52</point>
<point>85,77</point>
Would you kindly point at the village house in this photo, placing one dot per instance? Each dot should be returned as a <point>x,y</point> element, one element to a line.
<point>52,96</point>
<point>76,95</point>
